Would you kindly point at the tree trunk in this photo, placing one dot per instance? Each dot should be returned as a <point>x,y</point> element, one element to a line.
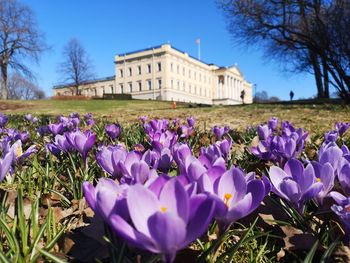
<point>4,81</point>
<point>317,74</point>
<point>325,78</point>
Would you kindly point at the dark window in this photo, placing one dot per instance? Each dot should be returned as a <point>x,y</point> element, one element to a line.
<point>140,85</point>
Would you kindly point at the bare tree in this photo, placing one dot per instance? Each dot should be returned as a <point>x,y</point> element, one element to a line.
<point>20,88</point>
<point>313,35</point>
<point>19,39</point>
<point>76,68</point>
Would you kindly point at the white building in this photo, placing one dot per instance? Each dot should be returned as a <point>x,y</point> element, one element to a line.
<point>166,73</point>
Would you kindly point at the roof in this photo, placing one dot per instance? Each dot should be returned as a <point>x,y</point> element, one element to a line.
<point>85,82</point>
<point>159,46</point>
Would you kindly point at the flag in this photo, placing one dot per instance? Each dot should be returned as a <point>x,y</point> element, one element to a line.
<point>198,41</point>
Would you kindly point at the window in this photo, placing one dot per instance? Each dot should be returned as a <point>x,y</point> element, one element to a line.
<point>171,67</point>
<point>183,71</point>
<point>178,85</point>
<point>200,77</point>
<point>178,69</point>
<point>121,73</point>
<point>121,86</point>
<point>112,88</point>
<point>183,86</point>
<point>140,85</point>
<point>149,69</point>
<point>149,84</point>
<point>139,69</point>
<point>159,83</point>
<point>172,84</point>
<point>130,87</point>
<point>159,65</point>
<point>189,73</point>
<point>130,71</point>
<point>195,75</point>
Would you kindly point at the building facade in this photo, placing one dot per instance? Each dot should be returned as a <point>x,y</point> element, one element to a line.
<point>166,73</point>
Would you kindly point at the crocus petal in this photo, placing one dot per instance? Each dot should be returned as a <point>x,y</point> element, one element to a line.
<point>344,178</point>
<point>232,182</point>
<point>129,234</point>
<point>277,175</point>
<point>142,203</point>
<point>294,168</point>
<point>168,232</point>
<point>291,190</point>
<point>201,212</point>
<point>175,199</point>
<point>312,191</point>
<point>139,171</point>
<point>338,197</point>
<point>327,177</point>
<point>253,198</point>
<point>157,185</point>
<point>195,170</point>
<point>89,193</point>
<point>307,179</point>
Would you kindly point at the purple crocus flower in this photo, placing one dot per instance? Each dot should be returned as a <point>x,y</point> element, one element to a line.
<point>107,198</point>
<point>344,176</point>
<point>186,131</point>
<point>342,127</point>
<point>59,145</point>
<point>135,170</point>
<point>35,120</point>
<point>5,164</point>
<point>18,153</point>
<point>109,157</point>
<point>220,131</point>
<point>190,121</point>
<point>295,184</point>
<point>143,119</point>
<point>272,123</point>
<point>331,136</point>
<point>89,119</point>
<point>163,224</point>
<point>3,120</point>
<point>180,153</point>
<point>74,115</point>
<point>325,174</point>
<point>113,130</point>
<point>235,195</point>
<point>28,117</point>
<point>55,128</point>
<point>23,136</point>
<point>330,153</point>
<point>82,142</point>
<point>342,209</point>
<point>42,130</point>
<point>263,132</point>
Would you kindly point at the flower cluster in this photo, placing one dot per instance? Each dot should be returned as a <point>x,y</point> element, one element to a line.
<point>279,146</point>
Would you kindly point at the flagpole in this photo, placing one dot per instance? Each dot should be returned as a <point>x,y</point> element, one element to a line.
<point>199,50</point>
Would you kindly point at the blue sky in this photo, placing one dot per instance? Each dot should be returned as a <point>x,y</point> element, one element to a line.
<point>109,27</point>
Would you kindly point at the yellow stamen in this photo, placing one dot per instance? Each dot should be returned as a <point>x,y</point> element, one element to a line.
<point>163,209</point>
<point>227,197</point>
<point>19,150</point>
<point>318,179</point>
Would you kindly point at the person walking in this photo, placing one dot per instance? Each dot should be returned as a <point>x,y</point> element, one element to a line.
<point>291,95</point>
